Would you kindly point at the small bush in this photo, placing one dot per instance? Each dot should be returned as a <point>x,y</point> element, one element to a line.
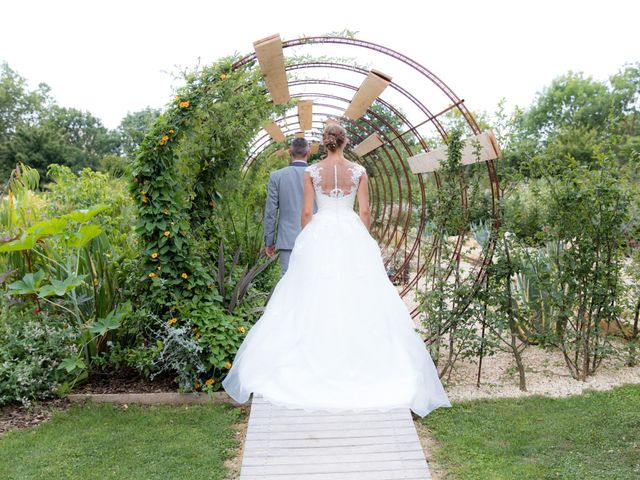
<point>33,347</point>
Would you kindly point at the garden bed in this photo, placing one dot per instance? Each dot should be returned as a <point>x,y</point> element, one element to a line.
<point>16,416</point>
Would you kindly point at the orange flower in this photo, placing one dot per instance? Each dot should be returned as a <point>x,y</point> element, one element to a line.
<point>211,381</point>
<point>144,199</point>
<point>172,321</point>
<point>152,275</point>
<point>227,365</point>
<point>154,255</point>
<point>167,233</point>
<point>184,275</point>
<point>197,385</point>
<point>184,104</point>
<point>171,130</point>
<point>223,76</point>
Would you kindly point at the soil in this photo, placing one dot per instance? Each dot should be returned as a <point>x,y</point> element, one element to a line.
<point>234,462</point>
<point>16,416</point>
<point>123,381</point>
<point>428,443</point>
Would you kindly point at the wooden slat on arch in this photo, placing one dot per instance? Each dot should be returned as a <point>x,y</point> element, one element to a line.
<point>430,161</point>
<point>274,131</point>
<point>271,60</point>
<point>305,109</point>
<point>370,89</point>
<point>369,144</point>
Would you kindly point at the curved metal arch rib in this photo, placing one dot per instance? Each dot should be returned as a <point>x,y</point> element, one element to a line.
<point>394,158</point>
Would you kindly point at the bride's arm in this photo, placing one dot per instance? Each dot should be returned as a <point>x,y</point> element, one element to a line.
<point>363,200</point>
<point>307,202</point>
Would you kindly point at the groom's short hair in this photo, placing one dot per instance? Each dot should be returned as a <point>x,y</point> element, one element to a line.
<point>299,147</point>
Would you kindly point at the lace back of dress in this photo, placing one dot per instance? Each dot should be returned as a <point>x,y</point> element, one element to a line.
<point>337,180</point>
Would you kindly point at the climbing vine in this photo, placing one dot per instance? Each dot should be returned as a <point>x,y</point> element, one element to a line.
<point>202,134</point>
<point>178,180</point>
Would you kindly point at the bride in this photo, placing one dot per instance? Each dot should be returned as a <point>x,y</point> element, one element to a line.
<point>335,334</point>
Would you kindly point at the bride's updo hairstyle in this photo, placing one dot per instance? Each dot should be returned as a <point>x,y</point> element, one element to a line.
<point>334,137</point>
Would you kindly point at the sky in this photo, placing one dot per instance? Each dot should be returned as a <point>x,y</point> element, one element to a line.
<point>115,57</point>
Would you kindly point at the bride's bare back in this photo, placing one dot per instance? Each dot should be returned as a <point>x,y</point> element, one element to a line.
<point>337,178</point>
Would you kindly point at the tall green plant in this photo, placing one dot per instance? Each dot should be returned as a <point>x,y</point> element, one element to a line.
<point>588,213</point>
<point>446,302</point>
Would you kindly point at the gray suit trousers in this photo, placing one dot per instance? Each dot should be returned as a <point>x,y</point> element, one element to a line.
<point>284,260</point>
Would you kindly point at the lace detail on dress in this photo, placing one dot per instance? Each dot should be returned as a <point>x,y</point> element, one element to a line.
<point>336,182</point>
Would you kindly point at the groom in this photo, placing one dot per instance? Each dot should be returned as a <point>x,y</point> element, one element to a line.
<point>284,199</point>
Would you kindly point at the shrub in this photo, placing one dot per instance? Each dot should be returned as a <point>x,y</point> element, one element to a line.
<point>34,345</point>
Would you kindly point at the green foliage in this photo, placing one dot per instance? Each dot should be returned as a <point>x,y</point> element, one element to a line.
<point>134,127</point>
<point>445,302</point>
<point>588,216</point>
<point>179,180</point>
<point>19,105</point>
<point>68,191</point>
<point>34,344</point>
<point>574,114</point>
<point>64,265</point>
<point>215,118</point>
<point>86,139</point>
<point>37,132</point>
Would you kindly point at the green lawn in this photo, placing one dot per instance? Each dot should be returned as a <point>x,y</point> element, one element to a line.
<point>108,442</point>
<point>595,435</point>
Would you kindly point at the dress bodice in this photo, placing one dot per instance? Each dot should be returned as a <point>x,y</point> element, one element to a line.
<point>335,185</point>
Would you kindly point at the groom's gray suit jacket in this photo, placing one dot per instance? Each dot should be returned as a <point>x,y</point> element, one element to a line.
<point>284,205</point>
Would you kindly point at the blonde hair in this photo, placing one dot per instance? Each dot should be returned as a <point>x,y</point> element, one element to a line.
<point>334,137</point>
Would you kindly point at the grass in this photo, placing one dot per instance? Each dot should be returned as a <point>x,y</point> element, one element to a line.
<point>110,442</point>
<point>595,435</point>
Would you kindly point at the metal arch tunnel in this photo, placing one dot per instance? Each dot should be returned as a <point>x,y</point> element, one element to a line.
<point>395,157</point>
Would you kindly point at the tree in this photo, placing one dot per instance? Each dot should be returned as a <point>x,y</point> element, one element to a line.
<point>575,101</point>
<point>36,146</point>
<point>18,105</point>
<point>87,139</point>
<point>133,128</point>
<point>36,131</point>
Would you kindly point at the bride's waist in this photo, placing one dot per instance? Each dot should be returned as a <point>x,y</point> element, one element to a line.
<point>335,210</point>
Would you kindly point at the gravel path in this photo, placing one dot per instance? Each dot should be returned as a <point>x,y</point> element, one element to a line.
<point>546,374</point>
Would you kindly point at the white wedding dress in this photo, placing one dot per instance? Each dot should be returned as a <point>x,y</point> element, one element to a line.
<point>335,334</point>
